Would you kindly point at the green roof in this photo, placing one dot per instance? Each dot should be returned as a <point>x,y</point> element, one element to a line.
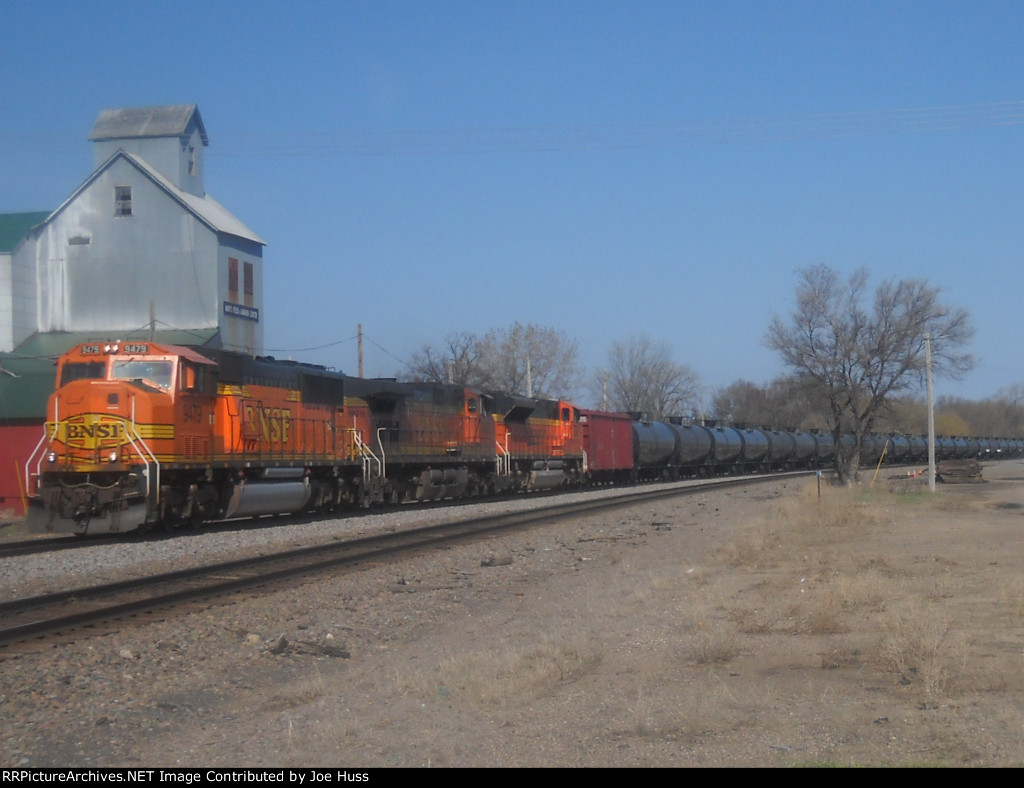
<point>25,386</point>
<point>15,226</point>
<point>28,375</point>
<point>54,344</point>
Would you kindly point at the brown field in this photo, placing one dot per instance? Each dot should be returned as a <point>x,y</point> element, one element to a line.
<point>882,626</point>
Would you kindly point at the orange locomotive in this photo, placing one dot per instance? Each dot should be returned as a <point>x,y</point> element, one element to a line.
<point>147,434</point>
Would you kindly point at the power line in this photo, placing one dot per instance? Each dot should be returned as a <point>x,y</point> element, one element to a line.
<point>671,133</point>
<point>665,134</point>
<point>306,349</point>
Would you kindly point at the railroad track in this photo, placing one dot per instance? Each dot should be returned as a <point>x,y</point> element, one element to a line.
<point>78,612</point>
<point>10,548</point>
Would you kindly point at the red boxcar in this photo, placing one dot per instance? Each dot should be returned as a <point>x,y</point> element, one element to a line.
<point>608,445</point>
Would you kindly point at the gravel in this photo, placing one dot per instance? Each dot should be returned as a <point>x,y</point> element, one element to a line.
<point>111,560</point>
<point>633,638</point>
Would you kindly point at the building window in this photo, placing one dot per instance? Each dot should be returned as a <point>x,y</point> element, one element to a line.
<point>191,160</point>
<point>248,281</point>
<point>122,201</point>
<point>232,278</point>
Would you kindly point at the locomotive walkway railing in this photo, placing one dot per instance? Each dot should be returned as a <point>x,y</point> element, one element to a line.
<point>369,460</point>
<point>503,460</point>
<point>152,464</point>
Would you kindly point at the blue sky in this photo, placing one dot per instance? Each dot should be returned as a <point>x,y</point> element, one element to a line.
<point>606,169</point>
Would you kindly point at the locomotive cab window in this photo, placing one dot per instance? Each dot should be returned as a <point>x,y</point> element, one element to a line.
<point>82,370</point>
<point>156,371</point>
<point>193,377</point>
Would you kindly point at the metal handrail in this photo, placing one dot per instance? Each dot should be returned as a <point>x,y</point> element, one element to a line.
<point>40,450</point>
<point>143,453</point>
<point>503,459</point>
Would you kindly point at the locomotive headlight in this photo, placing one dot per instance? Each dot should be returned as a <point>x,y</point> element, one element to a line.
<point>51,457</point>
<point>112,456</point>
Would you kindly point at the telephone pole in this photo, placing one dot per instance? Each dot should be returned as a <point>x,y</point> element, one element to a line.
<point>360,344</point>
<point>931,411</point>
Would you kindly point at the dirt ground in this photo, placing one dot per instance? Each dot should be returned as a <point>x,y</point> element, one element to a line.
<point>785,625</point>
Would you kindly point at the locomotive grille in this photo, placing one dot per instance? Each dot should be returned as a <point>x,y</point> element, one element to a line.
<point>195,446</point>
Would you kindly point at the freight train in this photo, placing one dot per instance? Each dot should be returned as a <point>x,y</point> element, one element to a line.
<point>145,435</point>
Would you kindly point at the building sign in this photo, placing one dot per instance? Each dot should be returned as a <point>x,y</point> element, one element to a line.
<point>242,311</point>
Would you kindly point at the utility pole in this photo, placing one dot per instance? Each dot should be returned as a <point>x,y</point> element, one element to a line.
<point>360,344</point>
<point>931,411</point>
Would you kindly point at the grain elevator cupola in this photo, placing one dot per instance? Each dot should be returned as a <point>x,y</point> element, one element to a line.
<point>170,138</point>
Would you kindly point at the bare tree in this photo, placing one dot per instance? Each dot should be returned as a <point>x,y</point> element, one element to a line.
<point>856,357</point>
<point>530,360</point>
<point>742,402</point>
<point>642,378</point>
<point>457,362</point>
<point>996,417</point>
<point>526,360</point>
<point>783,403</point>
<point>1013,394</point>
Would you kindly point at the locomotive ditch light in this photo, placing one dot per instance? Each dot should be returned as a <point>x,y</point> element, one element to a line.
<point>51,457</point>
<point>112,456</point>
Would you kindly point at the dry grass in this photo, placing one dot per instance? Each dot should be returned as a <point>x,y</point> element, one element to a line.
<point>919,649</point>
<point>813,583</point>
<point>805,521</point>
<point>511,671</point>
<point>808,568</point>
<point>713,642</point>
<point>754,549</point>
<point>862,588</point>
<point>810,581</point>
<point>1011,595</point>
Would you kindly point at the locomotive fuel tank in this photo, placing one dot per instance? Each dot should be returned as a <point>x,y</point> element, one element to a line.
<point>438,483</point>
<point>277,495</point>
<point>546,475</point>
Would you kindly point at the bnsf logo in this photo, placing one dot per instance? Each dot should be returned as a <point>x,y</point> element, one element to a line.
<point>89,432</point>
<point>273,425</point>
